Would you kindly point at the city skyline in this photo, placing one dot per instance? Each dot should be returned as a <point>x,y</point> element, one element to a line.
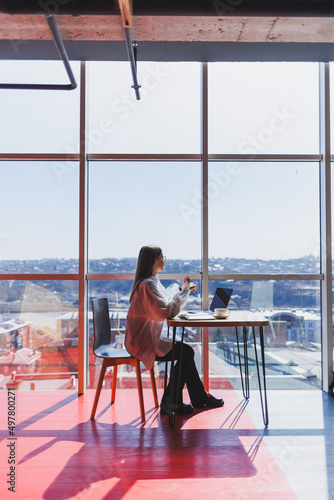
<point>308,263</point>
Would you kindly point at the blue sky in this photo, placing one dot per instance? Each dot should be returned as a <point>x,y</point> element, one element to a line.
<point>259,211</point>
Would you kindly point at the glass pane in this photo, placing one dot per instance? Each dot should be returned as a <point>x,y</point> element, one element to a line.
<point>39,121</point>
<point>135,204</point>
<point>331,67</point>
<point>332,210</point>
<point>332,381</point>
<point>292,340</point>
<point>263,108</point>
<point>39,335</point>
<point>264,217</point>
<point>165,120</point>
<point>118,292</point>
<point>39,217</point>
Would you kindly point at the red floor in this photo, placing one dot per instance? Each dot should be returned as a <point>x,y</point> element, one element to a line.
<point>62,454</point>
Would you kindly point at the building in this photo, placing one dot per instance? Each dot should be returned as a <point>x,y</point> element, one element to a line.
<point>299,324</point>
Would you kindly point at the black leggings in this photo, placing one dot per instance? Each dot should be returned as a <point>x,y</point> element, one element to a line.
<point>189,374</point>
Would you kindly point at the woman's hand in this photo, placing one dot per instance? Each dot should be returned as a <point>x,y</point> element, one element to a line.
<point>187,281</point>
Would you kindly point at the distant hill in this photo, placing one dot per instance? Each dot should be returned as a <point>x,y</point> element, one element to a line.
<point>246,294</point>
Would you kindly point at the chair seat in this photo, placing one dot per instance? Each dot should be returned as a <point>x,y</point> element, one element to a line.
<point>107,351</point>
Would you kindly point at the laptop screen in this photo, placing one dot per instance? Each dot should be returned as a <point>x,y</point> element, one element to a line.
<point>221,298</point>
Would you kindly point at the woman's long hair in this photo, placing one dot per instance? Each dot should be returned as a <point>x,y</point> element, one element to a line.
<point>146,259</point>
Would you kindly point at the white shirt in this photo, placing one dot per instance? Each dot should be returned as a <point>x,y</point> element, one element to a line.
<point>151,304</point>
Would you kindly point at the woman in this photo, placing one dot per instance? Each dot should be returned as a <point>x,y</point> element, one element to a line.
<point>150,304</point>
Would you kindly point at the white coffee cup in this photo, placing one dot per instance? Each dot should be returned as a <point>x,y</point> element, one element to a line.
<point>219,311</point>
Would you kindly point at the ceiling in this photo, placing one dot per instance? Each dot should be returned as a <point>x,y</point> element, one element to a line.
<point>171,30</point>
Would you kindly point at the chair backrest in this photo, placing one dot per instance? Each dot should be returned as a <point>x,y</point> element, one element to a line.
<point>101,322</point>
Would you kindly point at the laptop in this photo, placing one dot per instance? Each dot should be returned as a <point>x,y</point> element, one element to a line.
<point>221,298</point>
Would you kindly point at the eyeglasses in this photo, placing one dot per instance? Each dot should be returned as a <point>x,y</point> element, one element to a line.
<point>164,258</point>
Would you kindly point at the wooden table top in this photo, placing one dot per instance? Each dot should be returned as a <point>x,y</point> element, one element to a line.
<point>236,318</point>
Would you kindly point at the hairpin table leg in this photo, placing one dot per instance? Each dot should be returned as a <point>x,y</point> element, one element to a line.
<point>244,384</point>
<point>166,366</point>
<point>171,409</point>
<point>174,388</point>
<point>263,398</point>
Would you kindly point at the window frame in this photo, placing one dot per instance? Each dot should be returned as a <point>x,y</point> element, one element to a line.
<point>325,276</point>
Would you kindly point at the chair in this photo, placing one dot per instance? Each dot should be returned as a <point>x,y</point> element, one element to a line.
<point>114,357</point>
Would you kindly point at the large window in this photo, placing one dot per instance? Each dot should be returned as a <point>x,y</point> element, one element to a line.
<point>262,108</point>
<point>331,66</point>
<point>39,334</point>
<point>39,217</point>
<point>292,339</point>
<point>254,226</point>
<point>118,292</point>
<point>39,229</point>
<point>38,121</point>
<point>264,217</point>
<point>165,120</point>
<point>140,203</point>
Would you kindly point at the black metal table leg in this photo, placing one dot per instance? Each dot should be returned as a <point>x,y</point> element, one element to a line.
<point>166,366</point>
<point>174,391</point>
<point>263,398</point>
<point>244,331</point>
<point>171,409</point>
<point>244,384</point>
